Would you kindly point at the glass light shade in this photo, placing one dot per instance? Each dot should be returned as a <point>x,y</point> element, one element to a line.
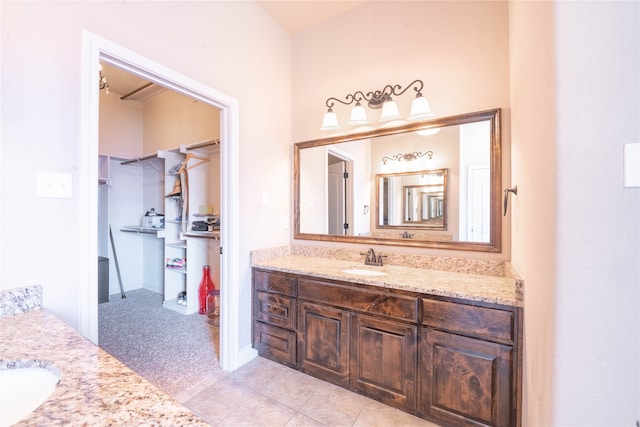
<point>358,116</point>
<point>389,111</point>
<point>330,121</point>
<point>420,109</point>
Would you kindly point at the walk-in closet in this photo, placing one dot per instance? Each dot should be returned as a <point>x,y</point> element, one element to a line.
<point>158,227</point>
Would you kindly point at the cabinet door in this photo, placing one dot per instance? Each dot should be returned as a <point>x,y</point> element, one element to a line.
<point>384,360</point>
<point>323,342</point>
<point>464,381</point>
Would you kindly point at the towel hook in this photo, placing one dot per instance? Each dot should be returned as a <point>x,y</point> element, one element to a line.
<point>513,190</point>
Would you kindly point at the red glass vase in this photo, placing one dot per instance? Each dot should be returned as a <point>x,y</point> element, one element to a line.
<point>206,287</point>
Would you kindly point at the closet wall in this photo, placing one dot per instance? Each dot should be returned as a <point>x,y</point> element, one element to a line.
<point>131,129</point>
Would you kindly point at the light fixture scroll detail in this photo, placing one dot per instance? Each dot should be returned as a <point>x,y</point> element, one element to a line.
<point>102,80</point>
<point>379,99</point>
<point>408,156</point>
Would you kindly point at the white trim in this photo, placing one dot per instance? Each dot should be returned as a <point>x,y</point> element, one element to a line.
<point>96,48</point>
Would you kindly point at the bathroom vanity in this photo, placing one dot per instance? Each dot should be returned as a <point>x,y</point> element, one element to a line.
<point>443,345</point>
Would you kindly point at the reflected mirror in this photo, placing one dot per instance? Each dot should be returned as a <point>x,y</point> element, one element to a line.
<point>434,183</point>
<point>412,200</point>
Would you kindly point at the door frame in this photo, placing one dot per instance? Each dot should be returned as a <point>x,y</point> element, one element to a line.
<point>348,159</point>
<point>95,49</point>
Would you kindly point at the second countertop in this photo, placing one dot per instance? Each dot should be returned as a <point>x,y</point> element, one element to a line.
<point>95,389</point>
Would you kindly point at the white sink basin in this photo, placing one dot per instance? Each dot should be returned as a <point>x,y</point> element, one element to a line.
<point>363,272</point>
<point>22,390</point>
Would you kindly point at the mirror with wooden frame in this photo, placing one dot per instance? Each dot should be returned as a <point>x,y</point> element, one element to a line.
<point>442,179</point>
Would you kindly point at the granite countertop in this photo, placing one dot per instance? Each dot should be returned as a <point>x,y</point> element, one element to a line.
<point>492,289</point>
<point>94,388</point>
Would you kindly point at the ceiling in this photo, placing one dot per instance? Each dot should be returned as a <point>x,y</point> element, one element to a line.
<point>299,15</point>
<point>124,83</point>
<point>293,15</point>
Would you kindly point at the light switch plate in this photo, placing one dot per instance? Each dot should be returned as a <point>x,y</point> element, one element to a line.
<point>54,185</point>
<point>632,165</point>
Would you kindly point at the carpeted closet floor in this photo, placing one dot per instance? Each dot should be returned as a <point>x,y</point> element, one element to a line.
<point>168,349</point>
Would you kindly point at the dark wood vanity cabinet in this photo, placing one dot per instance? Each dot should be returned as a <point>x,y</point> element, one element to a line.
<point>467,366</point>
<point>452,361</point>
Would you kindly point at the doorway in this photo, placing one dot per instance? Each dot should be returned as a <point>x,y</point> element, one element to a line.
<point>339,194</point>
<point>96,49</point>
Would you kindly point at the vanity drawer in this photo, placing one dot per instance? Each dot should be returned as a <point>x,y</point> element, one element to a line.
<point>281,283</point>
<point>492,323</point>
<point>390,305</point>
<point>276,310</point>
<point>275,343</point>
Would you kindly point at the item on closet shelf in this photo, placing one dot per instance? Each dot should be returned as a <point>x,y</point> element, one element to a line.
<point>176,168</point>
<point>182,298</point>
<point>213,223</point>
<point>176,190</point>
<point>199,226</point>
<point>152,219</point>
<point>205,210</point>
<point>176,263</point>
<point>206,287</point>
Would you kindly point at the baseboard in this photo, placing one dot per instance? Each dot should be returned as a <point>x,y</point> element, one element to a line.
<point>245,355</point>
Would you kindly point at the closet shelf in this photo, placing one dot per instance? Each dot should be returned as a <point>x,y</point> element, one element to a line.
<point>177,245</point>
<point>182,270</point>
<point>140,229</point>
<point>215,235</point>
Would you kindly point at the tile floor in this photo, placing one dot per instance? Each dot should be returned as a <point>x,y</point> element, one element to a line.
<point>264,393</point>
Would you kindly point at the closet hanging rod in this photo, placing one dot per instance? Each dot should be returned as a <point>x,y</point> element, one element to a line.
<point>141,88</point>
<point>188,147</point>
<point>203,144</point>
<point>139,159</point>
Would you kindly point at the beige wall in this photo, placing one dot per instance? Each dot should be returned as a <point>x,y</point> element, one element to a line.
<point>460,50</point>
<point>172,119</point>
<point>533,127</point>
<point>121,126</point>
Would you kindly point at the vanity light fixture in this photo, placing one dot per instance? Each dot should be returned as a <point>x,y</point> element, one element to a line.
<point>379,99</point>
<point>408,156</point>
<point>103,81</point>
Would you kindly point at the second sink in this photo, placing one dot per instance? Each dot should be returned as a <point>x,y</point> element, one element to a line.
<point>24,389</point>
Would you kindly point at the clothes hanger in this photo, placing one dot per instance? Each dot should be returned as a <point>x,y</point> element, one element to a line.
<point>189,157</point>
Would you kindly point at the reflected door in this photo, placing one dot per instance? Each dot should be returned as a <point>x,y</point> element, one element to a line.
<point>336,195</point>
<point>479,206</point>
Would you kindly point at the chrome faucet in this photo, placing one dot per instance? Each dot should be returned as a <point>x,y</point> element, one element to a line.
<point>372,258</point>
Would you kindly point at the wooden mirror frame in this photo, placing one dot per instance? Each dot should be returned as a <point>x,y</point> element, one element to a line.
<point>495,240</point>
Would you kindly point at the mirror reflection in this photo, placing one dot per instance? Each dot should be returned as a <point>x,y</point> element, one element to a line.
<point>412,199</point>
<point>434,183</point>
